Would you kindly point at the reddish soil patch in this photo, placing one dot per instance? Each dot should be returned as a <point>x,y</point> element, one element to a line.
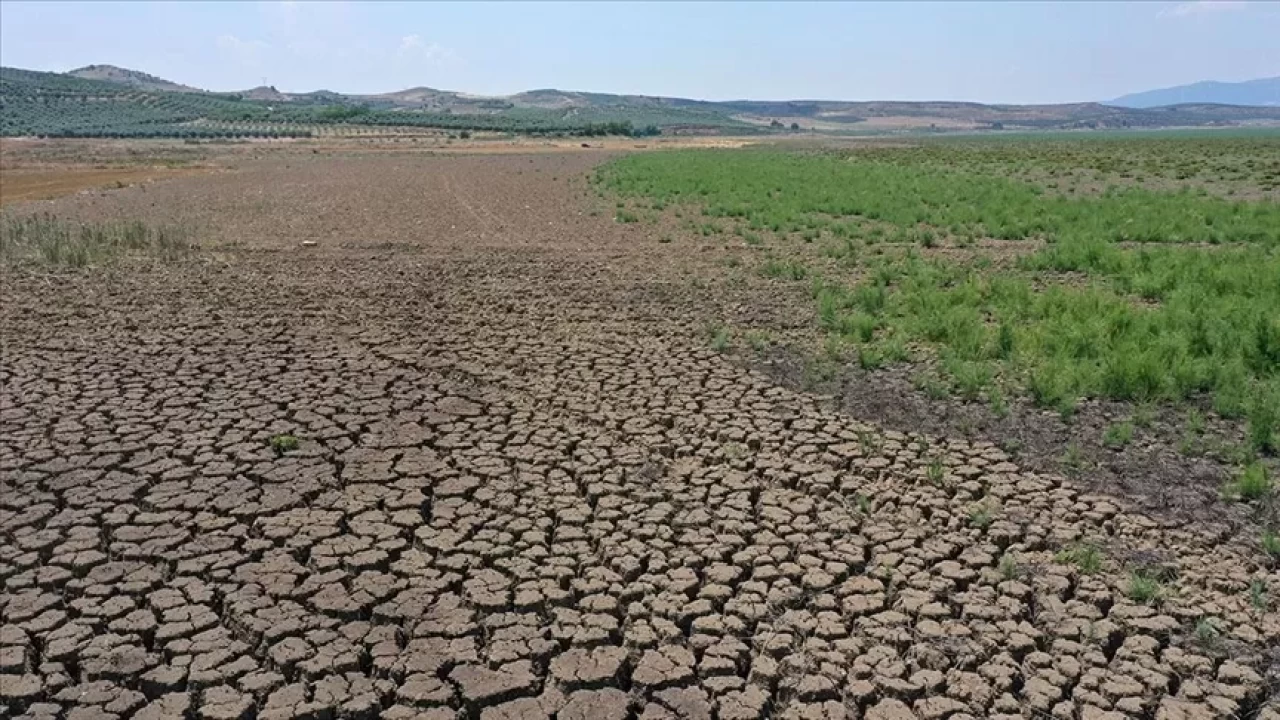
<point>20,185</point>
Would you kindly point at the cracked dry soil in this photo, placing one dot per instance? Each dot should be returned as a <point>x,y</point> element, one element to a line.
<point>526,489</point>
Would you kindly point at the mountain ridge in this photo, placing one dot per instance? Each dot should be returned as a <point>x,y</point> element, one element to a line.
<point>1260,92</point>
<point>69,105</point>
<point>1196,94</point>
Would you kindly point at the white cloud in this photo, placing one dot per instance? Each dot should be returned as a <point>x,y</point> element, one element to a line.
<point>1202,7</point>
<point>245,52</point>
<point>413,47</point>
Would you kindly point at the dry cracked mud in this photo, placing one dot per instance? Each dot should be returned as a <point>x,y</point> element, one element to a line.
<point>524,488</point>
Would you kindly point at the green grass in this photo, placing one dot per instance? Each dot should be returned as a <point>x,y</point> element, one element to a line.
<point>1073,458</point>
<point>783,269</point>
<point>1146,588</point>
<point>1008,567</point>
<point>1208,632</point>
<point>1270,543</point>
<point>1118,435</point>
<point>1132,294</point>
<point>283,443</point>
<point>720,339</point>
<point>1258,597</point>
<point>1223,163</point>
<point>1253,483</point>
<point>980,517</point>
<point>759,340</point>
<point>48,240</point>
<point>1264,418</point>
<point>936,471</point>
<point>1086,558</point>
<point>792,192</point>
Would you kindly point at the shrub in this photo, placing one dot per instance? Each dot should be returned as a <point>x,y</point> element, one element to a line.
<point>1264,419</point>
<point>1208,632</point>
<point>1252,483</point>
<point>1087,558</point>
<point>1270,543</point>
<point>1008,567</point>
<point>720,339</point>
<point>1146,587</point>
<point>283,443</point>
<point>980,517</point>
<point>936,471</point>
<point>1118,435</point>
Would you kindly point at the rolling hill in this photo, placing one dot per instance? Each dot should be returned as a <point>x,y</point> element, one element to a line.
<point>109,101</point>
<point>1263,92</point>
<point>132,78</point>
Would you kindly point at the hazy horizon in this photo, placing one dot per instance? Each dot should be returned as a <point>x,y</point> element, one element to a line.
<point>1016,53</point>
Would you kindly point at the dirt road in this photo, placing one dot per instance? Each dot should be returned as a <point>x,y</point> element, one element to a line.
<point>526,488</point>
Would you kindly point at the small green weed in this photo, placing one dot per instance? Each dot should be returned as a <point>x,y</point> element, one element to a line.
<point>1264,415</point>
<point>867,441</point>
<point>759,340</point>
<point>1118,435</point>
<point>283,443</point>
<point>1073,459</point>
<point>932,387</point>
<point>1252,483</point>
<point>1195,422</point>
<point>1086,557</point>
<point>1008,567</point>
<point>1145,587</point>
<point>980,517</point>
<point>1208,632</point>
<point>997,402</point>
<point>818,371</point>
<point>721,339</point>
<point>1270,543</point>
<point>936,471</point>
<point>785,270</point>
<point>1258,599</point>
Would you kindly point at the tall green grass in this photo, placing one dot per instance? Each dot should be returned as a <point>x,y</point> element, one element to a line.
<point>48,240</point>
<point>1216,332</point>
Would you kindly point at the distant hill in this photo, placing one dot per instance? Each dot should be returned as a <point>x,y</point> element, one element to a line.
<point>132,78</point>
<point>1264,92</point>
<point>109,101</point>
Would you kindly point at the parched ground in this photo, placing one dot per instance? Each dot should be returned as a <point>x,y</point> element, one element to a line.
<point>526,488</point>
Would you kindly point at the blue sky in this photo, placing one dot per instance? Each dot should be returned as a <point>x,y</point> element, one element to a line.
<point>986,52</point>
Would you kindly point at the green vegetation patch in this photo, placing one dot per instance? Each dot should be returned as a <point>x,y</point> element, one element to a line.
<point>1133,294</point>
<point>48,240</point>
<point>791,192</point>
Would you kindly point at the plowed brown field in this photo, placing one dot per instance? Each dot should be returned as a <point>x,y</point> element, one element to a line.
<point>526,488</point>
